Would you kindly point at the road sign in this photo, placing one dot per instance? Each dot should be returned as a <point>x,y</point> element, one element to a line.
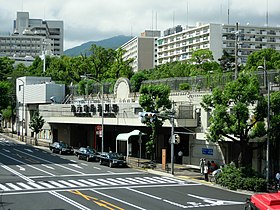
<point>99,127</point>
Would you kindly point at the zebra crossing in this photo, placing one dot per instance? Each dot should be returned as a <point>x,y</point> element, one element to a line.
<point>99,182</point>
<point>5,142</point>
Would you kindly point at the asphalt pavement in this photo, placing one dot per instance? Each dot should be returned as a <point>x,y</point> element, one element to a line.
<point>181,171</point>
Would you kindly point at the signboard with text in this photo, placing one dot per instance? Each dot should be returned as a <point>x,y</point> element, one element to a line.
<point>207,151</point>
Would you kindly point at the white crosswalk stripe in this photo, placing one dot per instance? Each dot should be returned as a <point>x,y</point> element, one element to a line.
<point>54,184</point>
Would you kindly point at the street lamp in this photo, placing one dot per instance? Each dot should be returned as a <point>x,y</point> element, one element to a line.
<point>267,84</point>
<point>87,76</point>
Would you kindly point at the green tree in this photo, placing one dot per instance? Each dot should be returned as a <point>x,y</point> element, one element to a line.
<point>36,124</point>
<point>271,56</point>
<point>230,114</point>
<point>137,79</point>
<point>120,67</point>
<point>101,60</point>
<point>275,128</point>
<point>4,94</point>
<point>154,98</point>
<point>6,67</point>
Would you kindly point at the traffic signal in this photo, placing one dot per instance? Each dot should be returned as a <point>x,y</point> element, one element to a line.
<point>147,116</point>
<point>177,139</point>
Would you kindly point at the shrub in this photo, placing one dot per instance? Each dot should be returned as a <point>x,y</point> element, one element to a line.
<point>241,178</point>
<point>184,86</point>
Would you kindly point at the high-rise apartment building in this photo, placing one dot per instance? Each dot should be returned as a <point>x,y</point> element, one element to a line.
<point>143,50</point>
<point>177,44</point>
<point>33,37</point>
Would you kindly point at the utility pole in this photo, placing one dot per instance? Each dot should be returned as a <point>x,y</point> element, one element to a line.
<point>172,142</point>
<point>236,52</point>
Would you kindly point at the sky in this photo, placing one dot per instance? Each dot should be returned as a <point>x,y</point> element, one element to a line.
<point>94,20</point>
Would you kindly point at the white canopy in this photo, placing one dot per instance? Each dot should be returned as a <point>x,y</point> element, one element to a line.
<point>126,136</point>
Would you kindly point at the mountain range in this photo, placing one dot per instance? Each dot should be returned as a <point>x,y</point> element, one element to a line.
<point>113,43</point>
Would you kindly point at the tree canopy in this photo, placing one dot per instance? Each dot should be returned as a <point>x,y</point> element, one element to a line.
<point>231,109</point>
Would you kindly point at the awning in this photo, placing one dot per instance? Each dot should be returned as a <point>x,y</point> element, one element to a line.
<point>125,136</point>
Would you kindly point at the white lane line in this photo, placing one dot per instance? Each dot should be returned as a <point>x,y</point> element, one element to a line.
<point>17,173</point>
<point>73,203</point>
<point>84,164</point>
<point>97,168</point>
<point>74,161</point>
<point>6,150</point>
<point>75,165</point>
<point>29,150</point>
<point>119,200</point>
<point>138,181</point>
<point>20,168</point>
<point>51,162</point>
<point>162,199</point>
<point>49,167</point>
<point>27,164</point>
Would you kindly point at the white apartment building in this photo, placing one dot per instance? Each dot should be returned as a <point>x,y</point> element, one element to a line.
<point>143,50</point>
<point>177,44</point>
<point>33,37</point>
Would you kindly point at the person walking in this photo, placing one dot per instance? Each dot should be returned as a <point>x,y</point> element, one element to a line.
<point>206,172</point>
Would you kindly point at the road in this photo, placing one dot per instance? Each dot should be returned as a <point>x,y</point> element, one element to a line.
<point>34,178</point>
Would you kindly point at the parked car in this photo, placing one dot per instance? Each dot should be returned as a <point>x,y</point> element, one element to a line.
<point>61,148</point>
<point>88,154</point>
<point>112,159</point>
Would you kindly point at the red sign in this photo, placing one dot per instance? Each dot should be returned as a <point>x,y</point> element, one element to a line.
<point>99,127</point>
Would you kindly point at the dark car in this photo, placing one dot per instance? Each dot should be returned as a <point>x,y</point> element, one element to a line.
<point>112,159</point>
<point>61,148</point>
<point>88,154</point>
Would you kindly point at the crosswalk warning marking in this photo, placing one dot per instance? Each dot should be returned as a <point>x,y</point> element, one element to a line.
<point>25,186</point>
<point>47,185</point>
<point>125,180</point>
<point>117,181</point>
<point>138,181</point>
<point>13,186</point>
<point>145,180</point>
<point>77,183</point>
<point>97,182</point>
<point>35,185</point>
<point>57,184</point>
<point>67,183</point>
<point>87,182</point>
<point>4,188</point>
<point>108,181</point>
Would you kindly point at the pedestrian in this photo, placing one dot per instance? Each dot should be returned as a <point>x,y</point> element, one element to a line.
<point>180,157</point>
<point>206,172</point>
<point>277,177</point>
<point>213,166</point>
<point>201,164</point>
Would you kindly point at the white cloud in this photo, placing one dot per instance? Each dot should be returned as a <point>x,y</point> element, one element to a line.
<point>91,20</point>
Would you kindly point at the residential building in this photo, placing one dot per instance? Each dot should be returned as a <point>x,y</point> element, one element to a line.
<point>33,37</point>
<point>143,50</point>
<point>178,43</point>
